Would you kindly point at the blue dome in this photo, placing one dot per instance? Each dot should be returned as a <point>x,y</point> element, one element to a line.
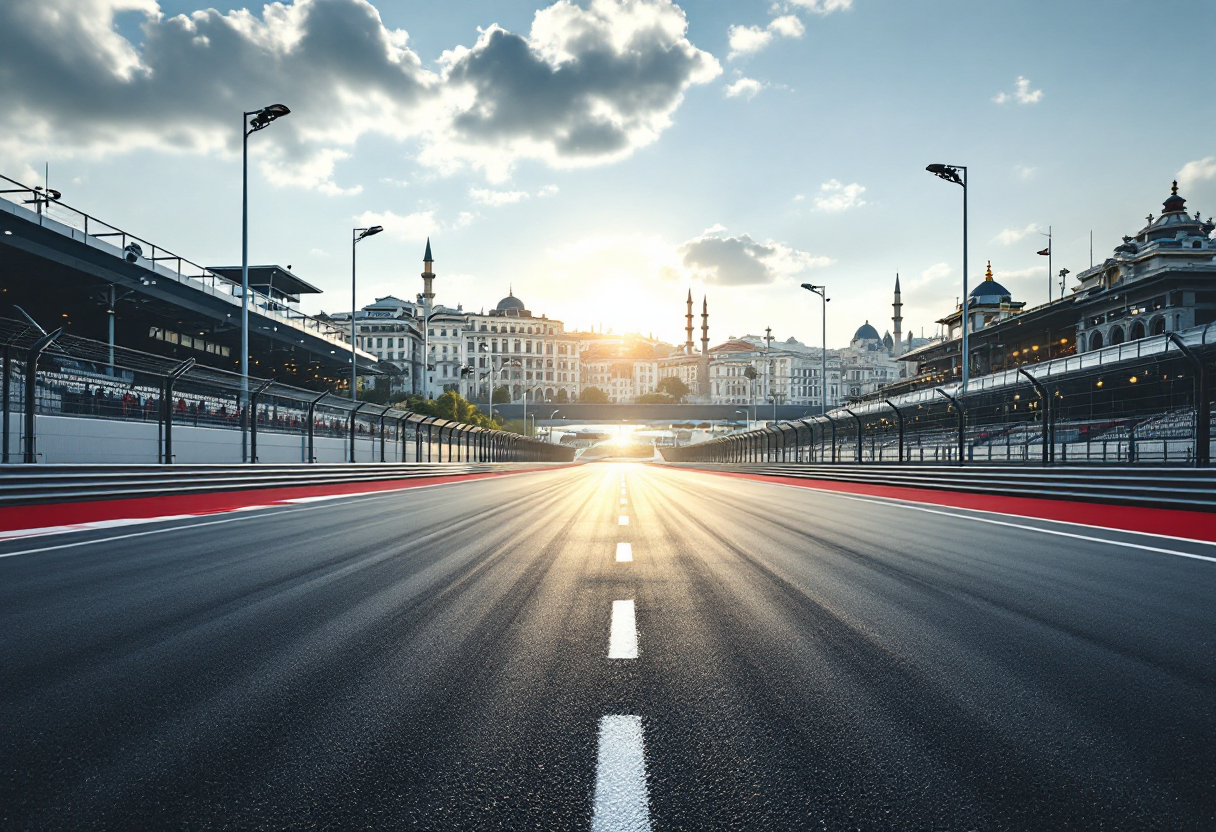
<point>991,292</point>
<point>865,332</point>
<point>510,302</point>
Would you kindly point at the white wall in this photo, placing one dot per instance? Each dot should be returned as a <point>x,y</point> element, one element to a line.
<point>67,439</point>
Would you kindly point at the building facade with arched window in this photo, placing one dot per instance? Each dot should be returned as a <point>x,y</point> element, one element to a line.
<point>1161,279</point>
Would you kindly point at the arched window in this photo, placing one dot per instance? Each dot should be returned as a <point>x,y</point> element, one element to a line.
<point>1116,335</point>
<point>1136,332</point>
<point>1157,327</point>
<point>1095,341</point>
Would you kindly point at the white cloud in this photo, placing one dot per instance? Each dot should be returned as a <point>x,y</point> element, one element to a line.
<point>567,94</point>
<point>737,261</point>
<point>486,196</point>
<point>1009,236</point>
<point>1024,172</point>
<point>745,87</point>
<point>936,273</point>
<point>787,26</point>
<point>823,6</point>
<point>1199,170</point>
<point>411,228</point>
<point>1022,93</point>
<point>799,197</point>
<point>835,196</point>
<point>548,190</point>
<point>745,40</point>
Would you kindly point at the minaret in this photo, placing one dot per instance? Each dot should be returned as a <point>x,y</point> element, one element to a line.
<point>897,319</point>
<point>704,326</point>
<point>428,291</point>
<point>428,295</point>
<point>688,326</point>
<point>703,363</point>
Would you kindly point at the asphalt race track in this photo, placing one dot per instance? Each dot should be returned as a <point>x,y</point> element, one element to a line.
<point>485,655</point>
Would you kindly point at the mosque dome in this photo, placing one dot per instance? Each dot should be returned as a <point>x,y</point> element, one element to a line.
<point>989,291</point>
<point>865,332</point>
<point>510,302</point>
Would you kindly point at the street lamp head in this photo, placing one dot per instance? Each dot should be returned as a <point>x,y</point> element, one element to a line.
<point>950,173</point>
<point>367,232</point>
<point>263,117</point>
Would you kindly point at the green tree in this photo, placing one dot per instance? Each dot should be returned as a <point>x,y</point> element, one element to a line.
<point>593,395</point>
<point>673,387</point>
<point>656,398</point>
<point>562,397</point>
<point>502,394</point>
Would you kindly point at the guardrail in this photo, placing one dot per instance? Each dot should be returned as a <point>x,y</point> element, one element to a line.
<point>1177,488</point>
<point>23,485</point>
<point>62,375</point>
<point>1152,405</point>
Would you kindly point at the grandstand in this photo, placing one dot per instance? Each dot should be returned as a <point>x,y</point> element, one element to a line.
<point>63,267</point>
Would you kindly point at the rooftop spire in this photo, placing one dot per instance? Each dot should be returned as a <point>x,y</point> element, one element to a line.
<point>427,257</point>
<point>988,274</point>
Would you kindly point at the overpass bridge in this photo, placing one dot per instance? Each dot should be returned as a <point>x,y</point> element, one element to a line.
<point>598,414</point>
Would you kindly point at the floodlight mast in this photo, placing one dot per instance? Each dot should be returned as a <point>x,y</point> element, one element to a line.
<point>356,235</point>
<point>958,175</point>
<point>822,290</point>
<point>258,120</point>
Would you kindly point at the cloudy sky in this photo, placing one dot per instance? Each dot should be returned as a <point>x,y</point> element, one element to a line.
<point>604,156</point>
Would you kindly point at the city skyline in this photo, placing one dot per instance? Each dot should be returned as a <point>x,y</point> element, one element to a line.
<point>775,144</point>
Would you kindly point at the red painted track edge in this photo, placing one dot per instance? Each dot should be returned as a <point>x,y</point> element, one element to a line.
<point>1195,525</point>
<point>46,515</point>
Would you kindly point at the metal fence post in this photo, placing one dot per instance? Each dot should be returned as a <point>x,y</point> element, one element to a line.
<point>31,390</point>
<point>8,374</point>
<point>353,414</point>
<point>1049,440</point>
<point>856,418</point>
<point>382,435</point>
<point>253,421</point>
<point>167,405</point>
<point>832,422</point>
<point>962,425</point>
<point>1203,402</point>
<point>900,418</point>
<point>312,424</point>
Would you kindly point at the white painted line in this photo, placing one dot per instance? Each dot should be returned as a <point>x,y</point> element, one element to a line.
<point>623,520</point>
<point>896,502</point>
<point>624,502</point>
<point>624,553</point>
<point>277,511</point>
<point>623,635</point>
<point>622,803</point>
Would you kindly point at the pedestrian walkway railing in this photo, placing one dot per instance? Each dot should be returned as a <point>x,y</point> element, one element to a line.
<point>53,375</point>
<point>1151,404</point>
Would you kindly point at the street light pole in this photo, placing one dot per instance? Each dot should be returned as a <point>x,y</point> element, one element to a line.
<point>950,173</point>
<point>258,120</point>
<point>822,290</point>
<point>551,415</point>
<point>356,235</point>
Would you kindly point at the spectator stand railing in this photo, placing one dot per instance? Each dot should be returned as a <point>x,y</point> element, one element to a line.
<point>76,377</point>
<point>1149,401</point>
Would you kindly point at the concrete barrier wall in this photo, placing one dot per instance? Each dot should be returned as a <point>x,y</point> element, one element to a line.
<point>66,439</point>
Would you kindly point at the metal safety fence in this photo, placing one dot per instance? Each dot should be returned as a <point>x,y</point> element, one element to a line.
<point>1152,404</point>
<point>150,408</point>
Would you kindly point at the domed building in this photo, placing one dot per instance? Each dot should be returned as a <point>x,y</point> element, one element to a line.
<point>1160,280</point>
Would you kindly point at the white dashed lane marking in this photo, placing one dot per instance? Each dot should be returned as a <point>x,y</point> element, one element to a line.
<point>624,553</point>
<point>623,520</point>
<point>623,633</point>
<point>622,803</point>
